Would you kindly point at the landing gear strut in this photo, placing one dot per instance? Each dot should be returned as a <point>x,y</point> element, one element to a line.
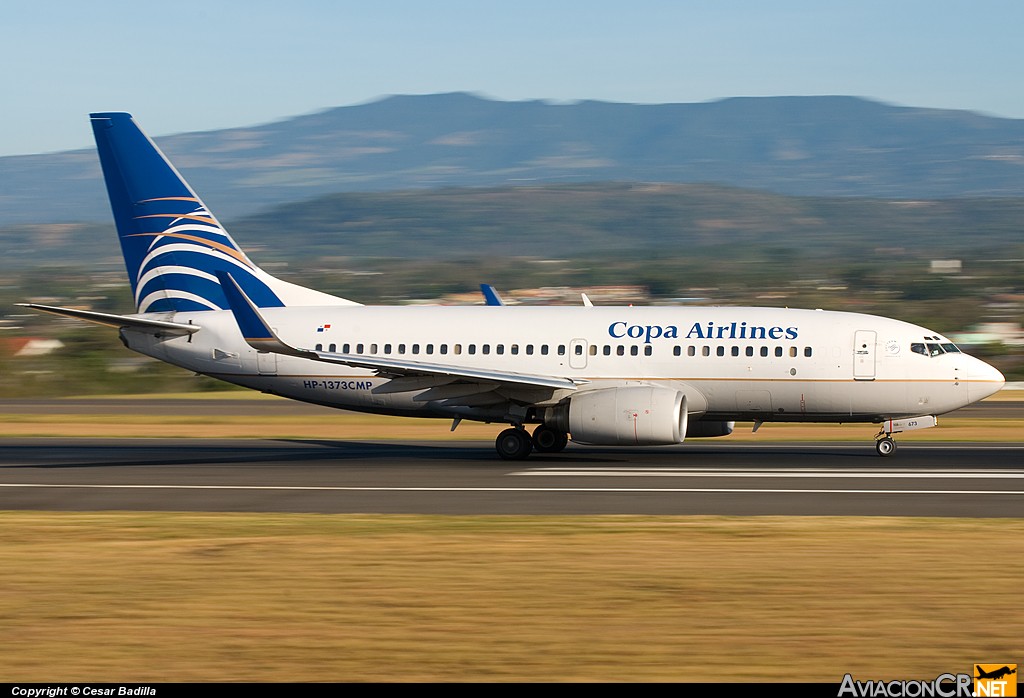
<point>513,444</point>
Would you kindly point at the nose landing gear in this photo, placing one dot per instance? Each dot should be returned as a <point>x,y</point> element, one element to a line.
<point>885,446</point>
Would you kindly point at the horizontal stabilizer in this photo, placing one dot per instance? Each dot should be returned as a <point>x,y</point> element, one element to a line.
<point>120,321</point>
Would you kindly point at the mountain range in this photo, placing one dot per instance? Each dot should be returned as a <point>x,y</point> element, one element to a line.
<point>798,146</point>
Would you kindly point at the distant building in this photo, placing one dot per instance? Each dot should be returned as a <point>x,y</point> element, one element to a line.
<point>29,346</point>
<point>946,266</point>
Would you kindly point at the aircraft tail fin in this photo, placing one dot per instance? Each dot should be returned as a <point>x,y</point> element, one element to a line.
<point>173,245</point>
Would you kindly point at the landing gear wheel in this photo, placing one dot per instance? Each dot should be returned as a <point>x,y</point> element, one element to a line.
<point>513,444</point>
<point>885,446</point>
<point>548,440</point>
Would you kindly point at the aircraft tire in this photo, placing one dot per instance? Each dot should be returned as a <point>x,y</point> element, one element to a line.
<point>513,444</point>
<point>549,440</point>
<point>885,446</point>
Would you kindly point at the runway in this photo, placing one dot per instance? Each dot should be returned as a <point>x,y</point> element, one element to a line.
<point>220,475</point>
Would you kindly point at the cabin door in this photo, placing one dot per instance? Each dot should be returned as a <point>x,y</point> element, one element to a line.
<point>864,355</point>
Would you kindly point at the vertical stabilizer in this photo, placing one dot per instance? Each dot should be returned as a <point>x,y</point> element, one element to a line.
<point>173,245</point>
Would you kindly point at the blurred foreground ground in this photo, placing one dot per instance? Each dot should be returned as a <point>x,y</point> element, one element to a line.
<point>246,597</point>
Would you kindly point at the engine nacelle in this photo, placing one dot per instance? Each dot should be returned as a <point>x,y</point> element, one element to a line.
<point>634,416</point>
<point>696,428</point>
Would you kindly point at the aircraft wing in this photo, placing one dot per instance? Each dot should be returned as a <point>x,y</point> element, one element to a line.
<point>260,336</point>
<point>119,321</point>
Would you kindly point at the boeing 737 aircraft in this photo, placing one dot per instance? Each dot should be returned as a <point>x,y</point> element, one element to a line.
<point>629,376</point>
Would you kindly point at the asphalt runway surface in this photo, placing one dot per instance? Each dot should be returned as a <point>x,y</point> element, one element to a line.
<point>222,475</point>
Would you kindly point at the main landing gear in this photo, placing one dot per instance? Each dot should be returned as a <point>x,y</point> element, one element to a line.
<point>516,444</point>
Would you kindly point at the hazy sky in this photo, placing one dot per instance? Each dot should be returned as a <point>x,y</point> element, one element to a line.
<point>193,65</point>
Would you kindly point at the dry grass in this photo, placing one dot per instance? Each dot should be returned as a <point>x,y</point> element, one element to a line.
<point>193,597</point>
<point>347,425</point>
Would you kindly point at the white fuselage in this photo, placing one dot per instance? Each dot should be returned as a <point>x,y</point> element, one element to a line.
<point>732,363</point>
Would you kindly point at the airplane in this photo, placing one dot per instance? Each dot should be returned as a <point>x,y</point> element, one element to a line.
<point>619,376</point>
<point>995,673</point>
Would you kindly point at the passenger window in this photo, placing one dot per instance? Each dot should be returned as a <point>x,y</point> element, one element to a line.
<point>515,350</point>
<point>471,349</point>
<point>705,351</point>
<point>334,347</point>
<point>634,350</point>
<point>620,350</point>
<point>359,348</point>
<point>319,347</point>
<point>735,351</point>
<point>561,350</point>
<point>607,350</point>
<point>648,349</point>
<point>764,351</point>
<point>387,348</point>
<point>401,348</point>
<point>415,348</point>
<point>792,352</point>
<point>593,350</point>
<point>430,348</point>
<point>578,350</point>
<point>807,352</point>
<point>373,348</point>
<point>677,350</point>
<point>444,348</point>
<point>499,349</point>
<point>691,351</point>
<point>544,349</point>
<point>485,349</point>
<point>778,351</point>
<point>456,348</point>
<point>529,350</point>
<point>750,351</point>
<point>720,351</point>
<point>345,348</point>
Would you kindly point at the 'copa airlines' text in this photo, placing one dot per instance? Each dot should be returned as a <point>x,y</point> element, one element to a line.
<point>708,330</point>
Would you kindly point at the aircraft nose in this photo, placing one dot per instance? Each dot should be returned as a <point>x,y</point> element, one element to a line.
<point>983,380</point>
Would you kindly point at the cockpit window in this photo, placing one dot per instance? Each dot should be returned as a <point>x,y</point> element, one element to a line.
<point>934,348</point>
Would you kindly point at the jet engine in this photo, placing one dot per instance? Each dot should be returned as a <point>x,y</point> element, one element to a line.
<point>632,416</point>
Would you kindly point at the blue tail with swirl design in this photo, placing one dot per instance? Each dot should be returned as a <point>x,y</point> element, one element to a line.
<point>173,245</point>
